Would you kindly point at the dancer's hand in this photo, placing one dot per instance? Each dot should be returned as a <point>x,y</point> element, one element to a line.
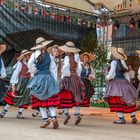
<point>90,77</point>
<point>13,87</point>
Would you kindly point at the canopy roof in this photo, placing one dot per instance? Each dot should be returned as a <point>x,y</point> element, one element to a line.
<point>85,5</point>
<point>93,6</point>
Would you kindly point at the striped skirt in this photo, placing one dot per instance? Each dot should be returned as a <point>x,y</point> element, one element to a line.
<point>50,102</point>
<point>117,105</point>
<point>72,91</point>
<point>22,102</point>
<point>10,99</point>
<point>66,99</point>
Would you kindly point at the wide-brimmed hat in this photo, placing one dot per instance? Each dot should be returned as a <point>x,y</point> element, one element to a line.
<point>54,46</point>
<point>40,43</point>
<point>2,48</point>
<point>138,51</point>
<point>69,47</point>
<point>90,55</point>
<point>118,53</point>
<point>23,53</point>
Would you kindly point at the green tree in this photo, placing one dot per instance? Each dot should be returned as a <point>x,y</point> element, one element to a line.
<point>89,44</point>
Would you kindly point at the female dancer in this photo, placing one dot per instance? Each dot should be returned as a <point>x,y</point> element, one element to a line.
<point>71,85</point>
<point>87,75</point>
<point>43,87</point>
<point>120,93</point>
<point>55,67</point>
<point>19,96</point>
<point>2,72</point>
<point>138,89</point>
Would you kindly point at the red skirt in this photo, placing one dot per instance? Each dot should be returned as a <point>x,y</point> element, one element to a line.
<point>51,102</point>
<point>117,105</point>
<point>67,100</point>
<point>9,99</point>
<point>86,102</point>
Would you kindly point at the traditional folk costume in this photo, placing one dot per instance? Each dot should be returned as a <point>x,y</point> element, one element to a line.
<point>43,87</point>
<point>138,89</point>
<point>55,69</point>
<point>72,87</point>
<point>2,73</point>
<point>87,74</point>
<point>120,93</point>
<point>20,97</point>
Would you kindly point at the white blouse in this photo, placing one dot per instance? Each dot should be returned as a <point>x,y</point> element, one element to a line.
<point>131,74</point>
<point>66,66</point>
<point>17,69</point>
<point>92,72</point>
<point>112,73</point>
<point>53,68</point>
<point>3,70</point>
<point>31,63</point>
<point>32,67</point>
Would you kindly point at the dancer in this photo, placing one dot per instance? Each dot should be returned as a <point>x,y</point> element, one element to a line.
<point>138,89</point>
<point>55,67</point>
<point>2,72</point>
<point>19,96</point>
<point>120,93</point>
<point>87,75</point>
<point>43,87</point>
<point>71,85</point>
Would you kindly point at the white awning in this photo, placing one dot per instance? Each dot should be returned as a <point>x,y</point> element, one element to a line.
<point>85,5</point>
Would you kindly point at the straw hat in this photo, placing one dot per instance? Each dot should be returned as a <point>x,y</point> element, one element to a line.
<point>40,43</point>
<point>69,47</point>
<point>2,48</point>
<point>138,51</point>
<point>23,53</point>
<point>118,53</point>
<point>54,46</point>
<point>90,55</point>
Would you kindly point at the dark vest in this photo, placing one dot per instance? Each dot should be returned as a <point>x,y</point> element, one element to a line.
<point>119,74</point>
<point>43,67</point>
<point>85,72</point>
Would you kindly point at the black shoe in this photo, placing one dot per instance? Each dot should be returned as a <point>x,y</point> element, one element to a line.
<point>45,124</point>
<point>35,114</point>
<point>2,114</point>
<point>134,120</point>
<point>19,116</point>
<point>78,120</point>
<point>120,122</point>
<point>55,124</point>
<point>66,119</point>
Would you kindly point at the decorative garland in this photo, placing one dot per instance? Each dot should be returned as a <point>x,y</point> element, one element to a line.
<point>55,14</point>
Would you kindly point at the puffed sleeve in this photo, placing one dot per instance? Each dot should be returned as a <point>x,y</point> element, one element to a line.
<point>92,72</point>
<point>15,76</point>
<point>53,68</point>
<point>65,67</point>
<point>3,70</point>
<point>79,64</point>
<point>111,74</point>
<point>31,65</point>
